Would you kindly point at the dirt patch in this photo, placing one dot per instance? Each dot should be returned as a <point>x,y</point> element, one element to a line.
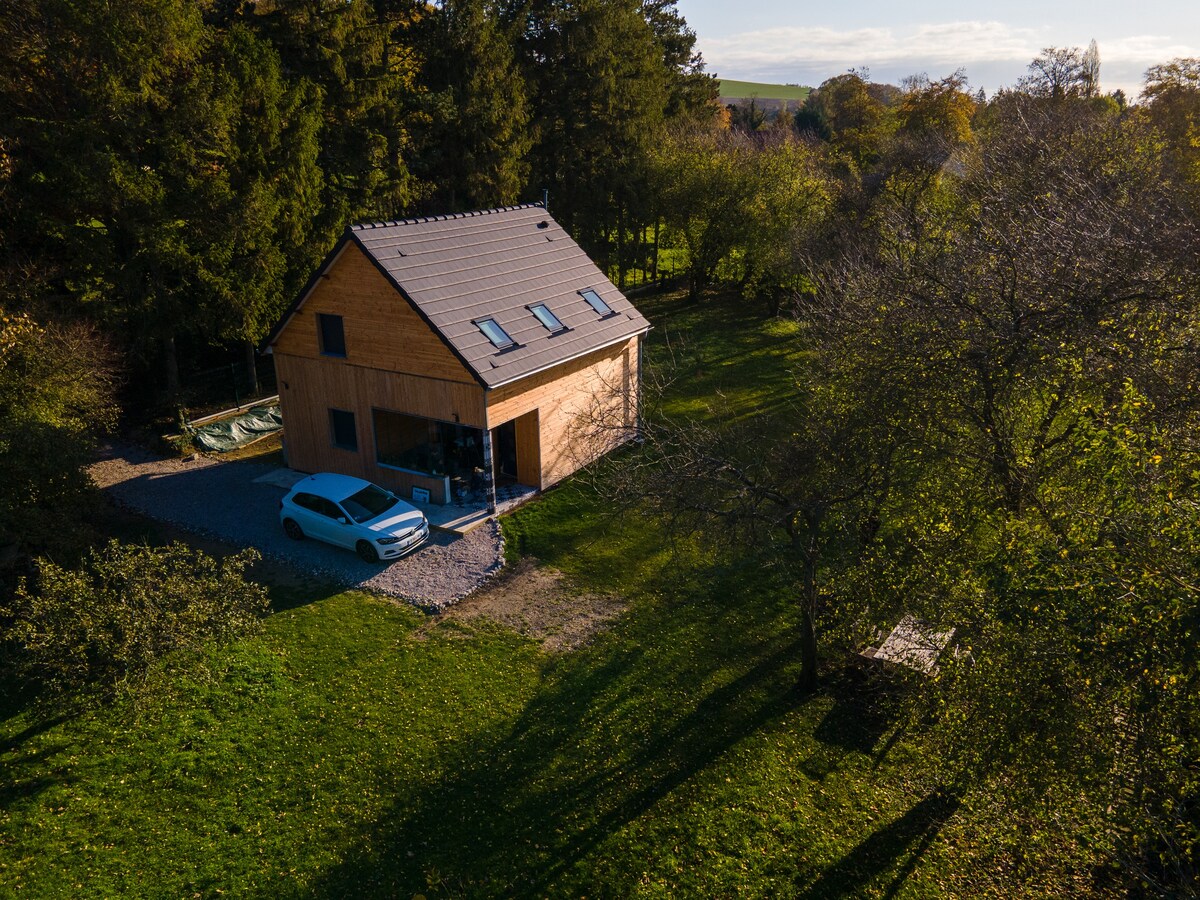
<point>536,601</point>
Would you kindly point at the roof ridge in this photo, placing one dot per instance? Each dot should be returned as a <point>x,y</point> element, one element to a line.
<point>445,217</point>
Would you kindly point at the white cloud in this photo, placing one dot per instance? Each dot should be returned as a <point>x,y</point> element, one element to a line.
<point>993,53</point>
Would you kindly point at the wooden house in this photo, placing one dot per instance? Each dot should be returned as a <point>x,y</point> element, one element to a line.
<point>451,353</point>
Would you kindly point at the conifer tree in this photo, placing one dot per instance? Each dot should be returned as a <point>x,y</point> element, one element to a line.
<point>473,152</point>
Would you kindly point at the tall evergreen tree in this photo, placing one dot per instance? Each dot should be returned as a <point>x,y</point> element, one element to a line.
<point>475,143</point>
<point>353,52</point>
<point>599,86</point>
<point>161,180</point>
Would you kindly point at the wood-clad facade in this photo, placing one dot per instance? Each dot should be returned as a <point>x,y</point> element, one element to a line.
<point>361,369</point>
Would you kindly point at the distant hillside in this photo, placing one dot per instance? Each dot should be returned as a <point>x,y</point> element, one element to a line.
<point>744,90</point>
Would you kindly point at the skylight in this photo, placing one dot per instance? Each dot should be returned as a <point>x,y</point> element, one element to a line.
<point>596,302</point>
<point>495,333</point>
<point>547,318</point>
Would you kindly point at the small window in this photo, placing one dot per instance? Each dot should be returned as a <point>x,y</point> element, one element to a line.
<point>596,302</point>
<point>495,333</point>
<point>341,423</point>
<point>333,337</point>
<point>547,318</point>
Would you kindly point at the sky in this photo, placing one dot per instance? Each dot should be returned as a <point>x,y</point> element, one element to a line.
<point>785,42</point>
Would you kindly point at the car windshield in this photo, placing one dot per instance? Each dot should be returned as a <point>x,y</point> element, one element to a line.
<point>368,503</point>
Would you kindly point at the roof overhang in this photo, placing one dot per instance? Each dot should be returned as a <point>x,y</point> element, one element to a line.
<point>563,362</point>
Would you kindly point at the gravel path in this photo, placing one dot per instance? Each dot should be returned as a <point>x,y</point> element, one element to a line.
<point>222,500</point>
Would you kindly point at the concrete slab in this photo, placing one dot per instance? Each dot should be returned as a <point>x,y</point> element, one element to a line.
<point>284,478</point>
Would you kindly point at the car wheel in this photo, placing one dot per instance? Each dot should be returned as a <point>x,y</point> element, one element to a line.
<point>293,530</point>
<point>367,552</point>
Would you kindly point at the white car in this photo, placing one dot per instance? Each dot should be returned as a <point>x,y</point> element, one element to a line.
<point>352,513</point>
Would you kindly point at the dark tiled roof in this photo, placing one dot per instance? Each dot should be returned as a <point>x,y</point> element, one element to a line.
<point>495,264</point>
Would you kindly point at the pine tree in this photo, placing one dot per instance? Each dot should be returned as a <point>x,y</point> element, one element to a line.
<point>473,152</point>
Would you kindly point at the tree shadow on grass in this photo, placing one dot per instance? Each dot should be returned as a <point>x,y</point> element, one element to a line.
<point>614,731</point>
<point>907,838</point>
<point>24,768</point>
<point>863,711</point>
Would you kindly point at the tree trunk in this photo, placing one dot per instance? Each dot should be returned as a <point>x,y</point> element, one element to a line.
<point>808,630</point>
<point>654,259</point>
<point>170,369</point>
<point>621,246</point>
<point>251,358</point>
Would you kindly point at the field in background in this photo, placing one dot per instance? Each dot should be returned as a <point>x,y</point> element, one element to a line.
<point>744,90</point>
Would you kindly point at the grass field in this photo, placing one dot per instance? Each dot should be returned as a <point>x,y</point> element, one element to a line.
<point>746,89</point>
<point>356,749</point>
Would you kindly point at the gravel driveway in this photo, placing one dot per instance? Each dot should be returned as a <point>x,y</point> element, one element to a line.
<point>222,500</point>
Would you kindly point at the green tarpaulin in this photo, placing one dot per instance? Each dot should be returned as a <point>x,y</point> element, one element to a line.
<point>229,434</point>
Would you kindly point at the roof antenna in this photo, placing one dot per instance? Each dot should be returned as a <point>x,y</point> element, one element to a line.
<point>545,199</point>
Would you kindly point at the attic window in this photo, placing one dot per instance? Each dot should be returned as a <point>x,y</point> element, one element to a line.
<point>494,333</point>
<point>333,335</point>
<point>596,302</point>
<point>547,318</point>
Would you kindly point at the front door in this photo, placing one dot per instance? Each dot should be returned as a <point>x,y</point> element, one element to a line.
<point>504,445</point>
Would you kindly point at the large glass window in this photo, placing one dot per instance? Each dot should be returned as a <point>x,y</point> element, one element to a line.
<point>428,446</point>
<point>333,335</point>
<point>341,424</point>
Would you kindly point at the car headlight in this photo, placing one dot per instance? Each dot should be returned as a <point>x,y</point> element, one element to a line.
<point>387,540</point>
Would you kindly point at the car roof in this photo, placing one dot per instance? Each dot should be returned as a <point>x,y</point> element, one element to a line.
<point>331,486</point>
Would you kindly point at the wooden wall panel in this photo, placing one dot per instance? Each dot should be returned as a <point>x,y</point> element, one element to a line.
<point>382,329</point>
<point>310,387</point>
<point>585,408</point>
<point>529,450</point>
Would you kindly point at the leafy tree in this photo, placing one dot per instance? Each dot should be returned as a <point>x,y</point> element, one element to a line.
<point>127,609</point>
<point>856,120</point>
<point>1061,72</point>
<point>705,194</point>
<point>791,199</point>
<point>1172,95</point>
<point>1036,312</point>
<point>937,109</point>
<point>731,199</point>
<point>693,94</point>
<point>110,168</point>
<point>269,185</point>
<point>57,386</point>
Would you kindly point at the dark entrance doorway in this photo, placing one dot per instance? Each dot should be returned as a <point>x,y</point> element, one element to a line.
<point>504,447</point>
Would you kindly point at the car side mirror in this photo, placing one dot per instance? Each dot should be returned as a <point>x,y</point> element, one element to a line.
<point>343,521</point>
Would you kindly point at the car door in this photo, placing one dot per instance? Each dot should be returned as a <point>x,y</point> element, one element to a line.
<point>315,518</point>
<point>341,526</point>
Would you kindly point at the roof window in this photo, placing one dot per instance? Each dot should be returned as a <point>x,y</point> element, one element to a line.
<point>547,318</point>
<point>596,302</point>
<point>494,333</point>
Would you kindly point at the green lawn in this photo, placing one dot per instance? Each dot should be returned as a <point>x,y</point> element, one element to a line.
<point>744,90</point>
<point>353,750</point>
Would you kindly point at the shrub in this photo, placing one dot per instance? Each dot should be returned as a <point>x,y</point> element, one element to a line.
<point>106,624</point>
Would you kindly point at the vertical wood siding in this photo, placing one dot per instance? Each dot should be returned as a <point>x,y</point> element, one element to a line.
<point>382,329</point>
<point>585,408</point>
